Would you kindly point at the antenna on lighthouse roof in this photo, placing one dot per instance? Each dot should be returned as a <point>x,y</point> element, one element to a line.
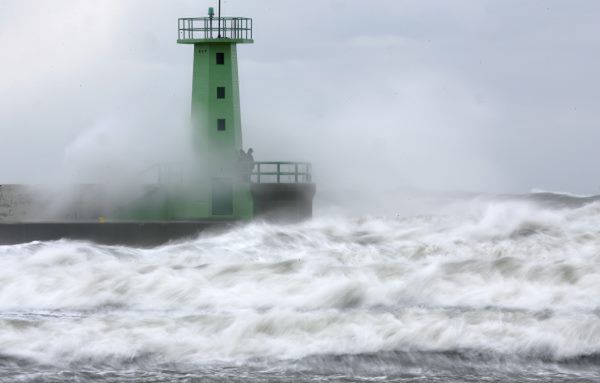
<point>219,18</point>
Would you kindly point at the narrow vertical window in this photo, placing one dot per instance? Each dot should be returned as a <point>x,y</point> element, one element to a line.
<point>221,92</point>
<point>220,58</point>
<point>221,124</point>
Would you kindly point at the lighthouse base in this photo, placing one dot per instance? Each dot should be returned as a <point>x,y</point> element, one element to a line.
<point>274,202</point>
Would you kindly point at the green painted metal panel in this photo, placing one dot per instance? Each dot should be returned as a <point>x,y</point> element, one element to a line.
<point>208,109</point>
<point>222,197</point>
<point>217,133</point>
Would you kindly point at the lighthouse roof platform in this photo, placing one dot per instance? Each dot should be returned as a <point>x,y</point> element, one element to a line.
<point>215,30</point>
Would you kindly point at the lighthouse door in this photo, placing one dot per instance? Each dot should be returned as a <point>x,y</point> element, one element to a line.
<point>222,196</point>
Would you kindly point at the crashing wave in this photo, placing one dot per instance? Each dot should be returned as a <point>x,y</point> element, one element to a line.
<point>492,277</point>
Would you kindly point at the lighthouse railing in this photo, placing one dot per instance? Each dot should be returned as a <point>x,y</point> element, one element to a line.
<point>210,28</point>
<point>282,172</point>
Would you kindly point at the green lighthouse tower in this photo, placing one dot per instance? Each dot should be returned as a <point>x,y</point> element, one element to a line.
<point>221,192</point>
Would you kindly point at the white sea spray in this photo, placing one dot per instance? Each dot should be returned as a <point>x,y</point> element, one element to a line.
<point>503,277</point>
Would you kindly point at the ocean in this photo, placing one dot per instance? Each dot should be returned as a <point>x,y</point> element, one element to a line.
<point>481,290</point>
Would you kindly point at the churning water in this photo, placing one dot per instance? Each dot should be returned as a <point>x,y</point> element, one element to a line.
<point>485,290</point>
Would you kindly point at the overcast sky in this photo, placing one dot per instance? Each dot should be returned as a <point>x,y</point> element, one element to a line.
<point>496,95</point>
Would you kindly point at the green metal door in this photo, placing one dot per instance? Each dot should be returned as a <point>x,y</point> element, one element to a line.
<point>222,196</point>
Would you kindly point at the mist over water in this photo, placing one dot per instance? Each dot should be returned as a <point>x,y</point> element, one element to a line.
<point>499,288</point>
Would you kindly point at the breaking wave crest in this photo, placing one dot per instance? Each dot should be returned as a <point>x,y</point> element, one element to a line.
<point>508,279</point>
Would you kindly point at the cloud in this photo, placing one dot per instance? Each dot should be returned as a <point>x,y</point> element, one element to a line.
<point>490,95</point>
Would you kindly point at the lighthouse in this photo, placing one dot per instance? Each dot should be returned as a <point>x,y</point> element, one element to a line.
<point>215,114</point>
<point>276,189</point>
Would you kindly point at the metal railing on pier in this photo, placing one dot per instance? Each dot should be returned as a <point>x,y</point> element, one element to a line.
<point>282,172</point>
<point>209,28</point>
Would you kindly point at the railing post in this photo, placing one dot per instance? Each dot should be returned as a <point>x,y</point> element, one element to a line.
<point>219,19</point>
<point>258,175</point>
<point>278,172</point>
<point>296,172</point>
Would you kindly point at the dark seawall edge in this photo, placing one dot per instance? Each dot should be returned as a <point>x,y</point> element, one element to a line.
<point>140,234</point>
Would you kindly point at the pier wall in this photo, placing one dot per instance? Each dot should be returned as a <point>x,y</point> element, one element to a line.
<point>283,202</point>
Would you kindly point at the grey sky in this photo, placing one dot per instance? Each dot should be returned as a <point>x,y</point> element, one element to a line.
<point>465,94</point>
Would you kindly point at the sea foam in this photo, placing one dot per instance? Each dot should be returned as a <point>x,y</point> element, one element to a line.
<point>500,277</point>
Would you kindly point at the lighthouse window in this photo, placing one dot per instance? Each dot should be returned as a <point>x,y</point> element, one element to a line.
<point>220,58</point>
<point>221,124</point>
<point>221,92</point>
